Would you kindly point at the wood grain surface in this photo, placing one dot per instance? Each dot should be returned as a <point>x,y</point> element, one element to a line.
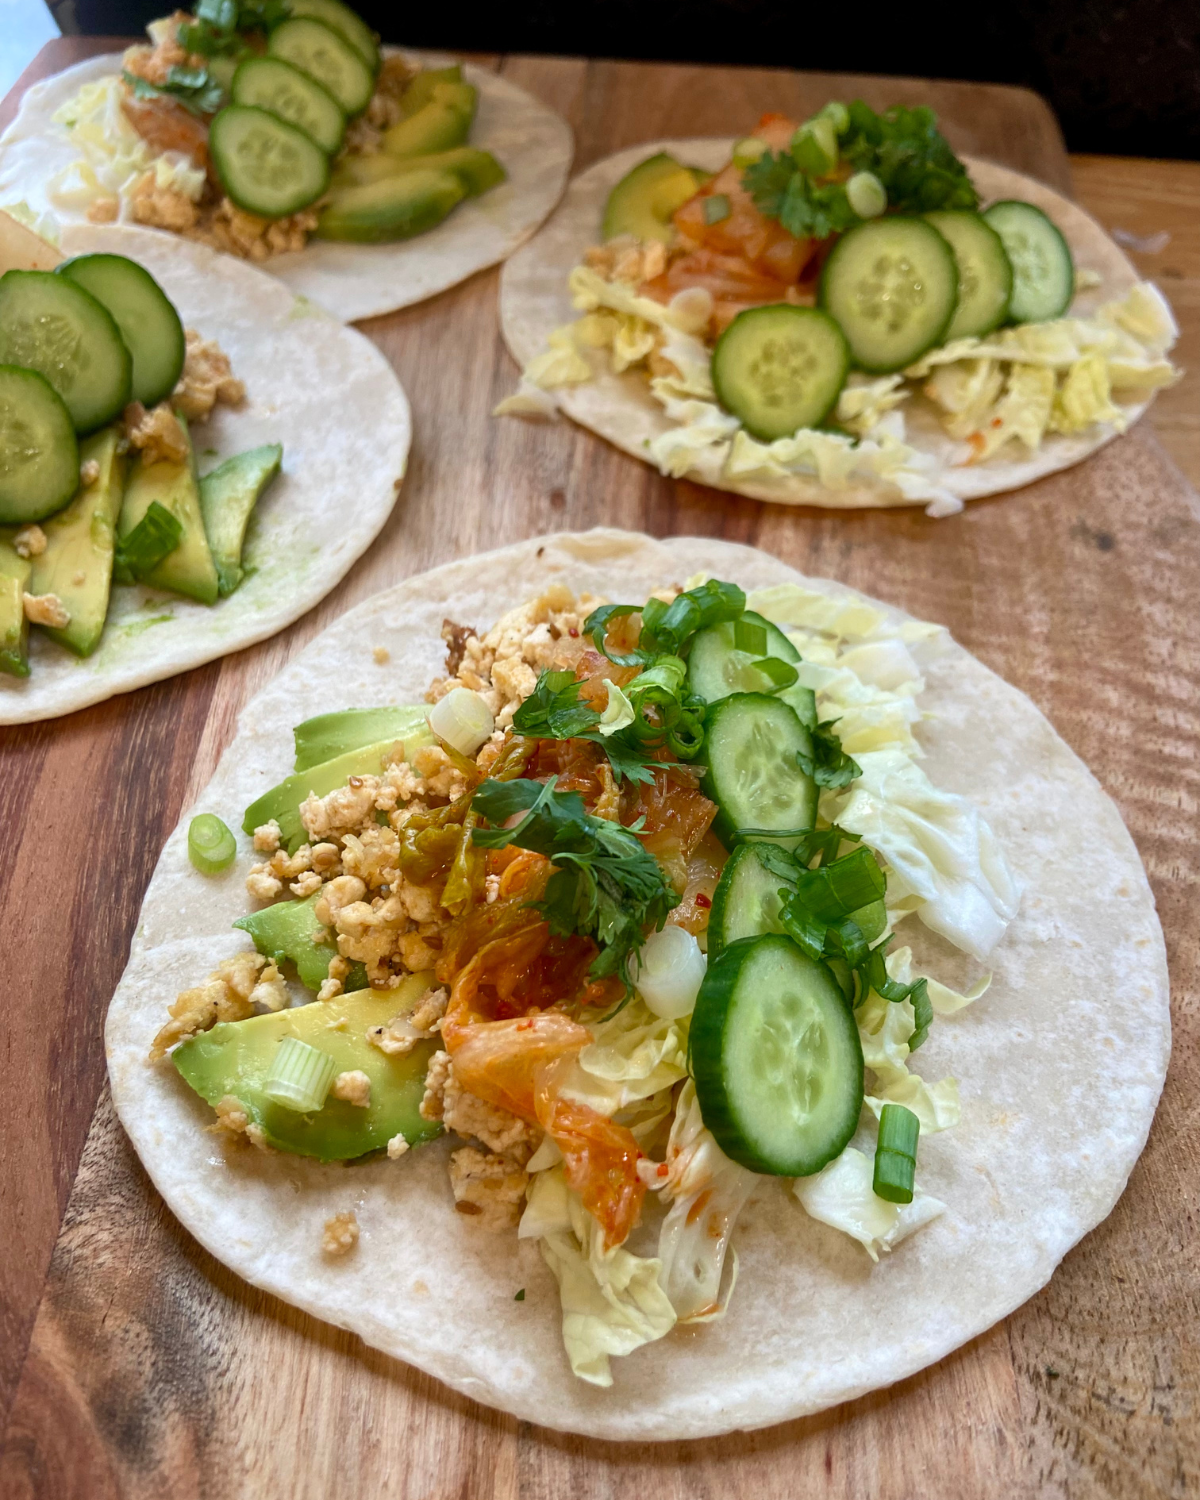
<point>132,1364</point>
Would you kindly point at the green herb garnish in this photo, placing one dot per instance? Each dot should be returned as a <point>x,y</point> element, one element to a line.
<point>829,765</point>
<point>192,87</point>
<point>605,884</point>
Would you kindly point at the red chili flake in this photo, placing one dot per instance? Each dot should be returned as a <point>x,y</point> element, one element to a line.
<point>573,633</point>
<point>703,900</point>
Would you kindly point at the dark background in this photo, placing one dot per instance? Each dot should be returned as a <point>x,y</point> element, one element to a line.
<point>1123,78</point>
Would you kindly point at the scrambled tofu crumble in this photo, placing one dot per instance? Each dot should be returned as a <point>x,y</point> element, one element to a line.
<point>30,541</point>
<point>46,609</point>
<point>207,381</point>
<point>340,1234</point>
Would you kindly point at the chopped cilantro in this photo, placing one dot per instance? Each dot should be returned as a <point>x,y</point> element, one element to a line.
<point>605,884</point>
<point>192,87</point>
<point>829,765</point>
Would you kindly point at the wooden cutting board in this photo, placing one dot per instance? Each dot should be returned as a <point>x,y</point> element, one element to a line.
<point>136,1366</point>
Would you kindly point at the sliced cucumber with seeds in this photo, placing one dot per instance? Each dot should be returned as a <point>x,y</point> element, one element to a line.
<point>50,325</point>
<point>1043,271</point>
<point>746,901</point>
<point>892,286</point>
<point>39,457</point>
<point>776,1058</point>
<point>779,368</point>
<point>752,744</point>
<point>717,668</point>
<point>267,166</point>
<point>341,19</point>
<point>145,316</point>
<point>274,85</point>
<point>321,54</point>
<point>985,274</point>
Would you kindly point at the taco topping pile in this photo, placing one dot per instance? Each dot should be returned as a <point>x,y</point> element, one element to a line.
<point>252,125</point>
<point>101,387</point>
<point>835,274</point>
<point>617,910</point>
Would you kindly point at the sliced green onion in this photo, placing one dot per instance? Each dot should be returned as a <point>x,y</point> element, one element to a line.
<point>747,150</point>
<point>780,674</point>
<point>716,208</point>
<point>835,890</point>
<point>300,1076</point>
<point>747,636</point>
<point>815,147</point>
<point>211,846</point>
<point>462,719</point>
<point>140,552</point>
<point>866,195</point>
<point>896,1154</point>
<point>922,1013</point>
<point>668,972</point>
<point>837,114</point>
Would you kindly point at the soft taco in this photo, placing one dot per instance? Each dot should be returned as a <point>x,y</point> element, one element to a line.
<point>280,132</point>
<point>840,313</point>
<point>175,483</point>
<point>684,1073</point>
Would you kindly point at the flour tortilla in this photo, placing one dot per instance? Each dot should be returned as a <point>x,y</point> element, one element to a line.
<point>535,300</point>
<point>350,281</point>
<point>322,390</point>
<point>1060,1066</point>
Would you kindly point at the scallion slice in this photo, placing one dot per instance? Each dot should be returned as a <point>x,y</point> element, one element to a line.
<point>749,637</point>
<point>835,890</point>
<point>896,1154</point>
<point>300,1076</point>
<point>140,552</point>
<point>716,208</point>
<point>779,673</point>
<point>211,846</point>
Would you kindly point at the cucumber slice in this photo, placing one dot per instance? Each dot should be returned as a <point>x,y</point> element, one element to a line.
<point>780,368</point>
<point>323,56</point>
<point>745,903</point>
<point>716,668</point>
<point>985,273</point>
<point>752,743</point>
<point>1043,271</point>
<point>39,456</point>
<point>143,313</point>
<point>892,286</point>
<point>341,19</point>
<point>776,1058</point>
<point>270,83</point>
<point>267,166</point>
<point>51,325</point>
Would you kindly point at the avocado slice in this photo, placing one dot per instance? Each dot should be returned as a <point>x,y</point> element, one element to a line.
<point>437,126</point>
<point>227,496</point>
<point>189,569</point>
<point>235,1058</point>
<point>14,627</point>
<point>643,201</point>
<point>478,170</point>
<point>285,931</point>
<point>78,561</point>
<point>395,208</point>
<point>282,802</point>
<point>420,91</point>
<point>330,735</point>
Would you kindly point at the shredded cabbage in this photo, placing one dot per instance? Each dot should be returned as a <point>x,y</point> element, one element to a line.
<point>841,1195</point>
<point>612,1300</point>
<point>634,1055</point>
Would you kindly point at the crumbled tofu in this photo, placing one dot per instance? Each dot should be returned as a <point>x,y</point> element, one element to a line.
<point>429,1010</point>
<point>397,1146</point>
<point>330,989</point>
<point>343,890</point>
<point>309,882</point>
<point>354,1087</point>
<point>30,541</point>
<point>403,1032</point>
<point>89,472</point>
<point>235,232</point>
<point>471,1117</point>
<point>271,991</point>
<point>261,886</point>
<point>232,1118</point>
<point>155,433</point>
<point>325,858</point>
<point>343,811</point>
<point>162,207</point>
<point>207,379</point>
<point>491,888</point>
<point>382,656</point>
<point>46,609</point>
<point>103,210</point>
<point>154,63</point>
<point>490,1188</point>
<point>224,996</point>
<point>435,1086</point>
<point>266,837</point>
<point>341,1234</point>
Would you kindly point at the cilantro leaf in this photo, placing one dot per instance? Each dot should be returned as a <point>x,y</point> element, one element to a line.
<point>192,87</point>
<point>910,156</point>
<point>553,710</point>
<point>605,884</point>
<point>666,628</point>
<point>829,765</point>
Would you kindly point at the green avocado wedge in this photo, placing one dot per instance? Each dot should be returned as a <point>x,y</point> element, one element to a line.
<point>329,735</point>
<point>282,802</point>
<point>441,124</point>
<point>235,1057</point>
<point>14,628</point>
<point>228,495</point>
<point>285,932</point>
<point>643,201</point>
<point>420,91</point>
<point>477,170</point>
<point>189,569</point>
<point>394,208</point>
<point>78,561</point>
